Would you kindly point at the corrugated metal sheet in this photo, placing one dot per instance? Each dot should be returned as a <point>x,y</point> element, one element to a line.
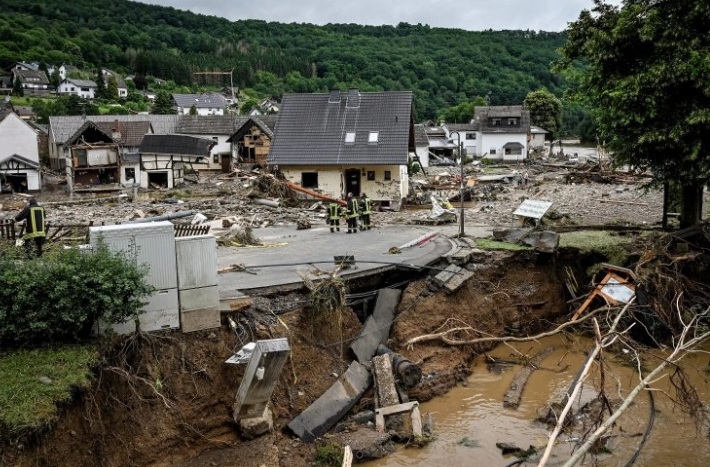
<point>152,244</point>
<point>196,261</point>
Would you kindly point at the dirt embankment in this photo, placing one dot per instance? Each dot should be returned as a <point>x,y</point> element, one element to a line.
<point>167,400</point>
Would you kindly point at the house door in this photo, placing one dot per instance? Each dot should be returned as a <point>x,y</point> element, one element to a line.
<point>352,182</point>
<point>226,163</point>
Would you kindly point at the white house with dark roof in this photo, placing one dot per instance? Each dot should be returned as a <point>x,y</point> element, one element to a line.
<point>464,133</point>
<point>19,153</point>
<point>503,132</point>
<point>537,137</point>
<point>215,127</point>
<point>342,142</point>
<point>421,145</point>
<point>210,103</point>
<point>84,88</point>
<point>33,81</point>
<point>120,82</point>
<point>164,158</point>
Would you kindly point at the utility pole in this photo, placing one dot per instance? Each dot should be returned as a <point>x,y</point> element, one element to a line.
<point>231,79</point>
<point>461,188</point>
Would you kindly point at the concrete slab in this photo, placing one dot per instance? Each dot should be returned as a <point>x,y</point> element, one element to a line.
<point>377,326</point>
<point>329,408</point>
<point>289,254</point>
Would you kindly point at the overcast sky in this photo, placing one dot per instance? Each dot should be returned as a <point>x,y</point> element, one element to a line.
<point>474,15</point>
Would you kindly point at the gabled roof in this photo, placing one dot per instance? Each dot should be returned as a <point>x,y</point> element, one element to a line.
<point>82,83</point>
<point>207,124</point>
<point>266,124</point>
<point>29,66</point>
<point>208,100</point>
<point>312,128</point>
<point>120,83</point>
<point>483,114</point>
<point>86,126</point>
<point>132,133</point>
<point>31,76</point>
<point>177,145</point>
<point>22,160</point>
<point>537,129</point>
<point>62,127</point>
<point>420,137</point>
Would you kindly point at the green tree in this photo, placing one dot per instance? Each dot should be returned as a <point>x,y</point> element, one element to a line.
<point>248,105</point>
<point>112,88</point>
<point>17,89</point>
<point>193,110</point>
<point>463,112</point>
<point>101,91</point>
<point>545,111</point>
<point>646,80</point>
<point>163,104</point>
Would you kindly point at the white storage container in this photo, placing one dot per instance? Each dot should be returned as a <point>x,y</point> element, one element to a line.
<point>161,312</point>
<point>196,261</point>
<point>199,308</point>
<point>152,244</point>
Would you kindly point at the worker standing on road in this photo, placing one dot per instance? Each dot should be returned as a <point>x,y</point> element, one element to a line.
<point>353,213</point>
<point>35,232</point>
<point>334,216</point>
<point>365,212</point>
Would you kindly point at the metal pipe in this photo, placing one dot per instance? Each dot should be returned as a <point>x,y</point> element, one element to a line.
<point>164,217</point>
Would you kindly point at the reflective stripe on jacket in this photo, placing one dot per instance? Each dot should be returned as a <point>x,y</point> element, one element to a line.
<point>353,208</point>
<point>365,206</point>
<point>34,226</point>
<point>333,211</point>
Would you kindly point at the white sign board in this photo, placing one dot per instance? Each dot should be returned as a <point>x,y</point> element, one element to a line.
<point>618,291</point>
<point>533,208</point>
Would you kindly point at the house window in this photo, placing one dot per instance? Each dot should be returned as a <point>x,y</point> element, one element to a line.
<point>513,151</point>
<point>215,158</point>
<point>470,135</point>
<point>388,175</point>
<point>130,174</point>
<point>350,137</point>
<point>309,179</point>
<point>492,151</point>
<point>373,137</point>
<point>512,122</point>
<point>495,122</point>
<point>370,174</point>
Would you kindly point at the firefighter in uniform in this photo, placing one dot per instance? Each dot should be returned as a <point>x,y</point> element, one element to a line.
<point>365,212</point>
<point>334,214</point>
<point>35,233</point>
<point>353,212</point>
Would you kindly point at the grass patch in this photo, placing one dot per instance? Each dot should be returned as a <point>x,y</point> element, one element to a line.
<point>34,383</point>
<point>490,244</point>
<point>613,247</point>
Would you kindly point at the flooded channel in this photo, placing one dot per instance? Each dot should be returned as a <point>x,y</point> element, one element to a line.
<point>471,419</point>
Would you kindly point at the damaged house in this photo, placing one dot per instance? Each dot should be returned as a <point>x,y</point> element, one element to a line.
<point>19,154</point>
<point>165,158</point>
<point>218,128</point>
<point>251,142</point>
<point>92,160</point>
<point>342,142</point>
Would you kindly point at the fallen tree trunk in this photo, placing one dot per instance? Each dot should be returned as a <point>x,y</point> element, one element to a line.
<point>515,390</point>
<point>315,194</point>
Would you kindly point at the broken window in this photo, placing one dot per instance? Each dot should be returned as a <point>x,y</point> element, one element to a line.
<point>130,173</point>
<point>309,179</point>
<point>388,175</point>
<point>350,137</point>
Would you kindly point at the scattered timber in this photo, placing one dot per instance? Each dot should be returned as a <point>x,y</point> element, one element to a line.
<point>515,390</point>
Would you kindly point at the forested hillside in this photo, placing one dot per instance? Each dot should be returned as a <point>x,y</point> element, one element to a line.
<point>443,67</point>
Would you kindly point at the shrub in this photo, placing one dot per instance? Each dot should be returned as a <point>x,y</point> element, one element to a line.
<point>60,296</point>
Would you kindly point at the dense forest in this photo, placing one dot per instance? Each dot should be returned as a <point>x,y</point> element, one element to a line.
<point>443,67</point>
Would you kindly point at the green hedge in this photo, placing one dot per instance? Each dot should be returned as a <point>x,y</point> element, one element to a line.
<point>60,296</point>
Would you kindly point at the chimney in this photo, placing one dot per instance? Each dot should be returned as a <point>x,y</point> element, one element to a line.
<point>116,131</point>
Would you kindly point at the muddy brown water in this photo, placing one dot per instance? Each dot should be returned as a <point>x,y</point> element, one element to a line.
<point>471,419</point>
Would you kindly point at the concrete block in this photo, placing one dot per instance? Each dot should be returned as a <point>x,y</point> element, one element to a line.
<point>377,326</point>
<point>254,427</point>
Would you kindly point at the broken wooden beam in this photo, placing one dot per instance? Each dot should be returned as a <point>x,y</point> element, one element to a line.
<point>515,390</point>
<point>409,374</point>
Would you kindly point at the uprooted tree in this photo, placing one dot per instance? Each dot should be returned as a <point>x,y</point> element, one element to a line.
<point>644,72</point>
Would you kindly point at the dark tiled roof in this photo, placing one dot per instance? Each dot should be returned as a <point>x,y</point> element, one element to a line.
<point>62,127</point>
<point>132,133</point>
<point>207,124</point>
<point>311,128</point>
<point>177,145</point>
<point>31,77</point>
<point>420,137</point>
<point>208,100</point>
<point>82,83</point>
<point>473,126</point>
<point>28,162</point>
<point>483,114</point>
<point>265,122</point>
<point>88,124</point>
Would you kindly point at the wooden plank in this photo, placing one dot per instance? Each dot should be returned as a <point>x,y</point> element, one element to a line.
<point>515,390</point>
<point>347,456</point>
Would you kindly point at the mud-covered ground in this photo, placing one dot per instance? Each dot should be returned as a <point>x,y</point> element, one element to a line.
<point>124,421</point>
